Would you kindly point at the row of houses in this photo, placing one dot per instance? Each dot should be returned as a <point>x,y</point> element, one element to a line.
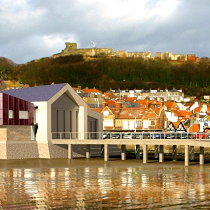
<point>135,113</point>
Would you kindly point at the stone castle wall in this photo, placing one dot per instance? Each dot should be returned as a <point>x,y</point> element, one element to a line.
<point>71,49</point>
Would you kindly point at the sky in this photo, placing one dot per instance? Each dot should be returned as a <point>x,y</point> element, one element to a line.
<point>33,29</point>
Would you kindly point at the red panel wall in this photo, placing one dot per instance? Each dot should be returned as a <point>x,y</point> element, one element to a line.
<point>7,103</point>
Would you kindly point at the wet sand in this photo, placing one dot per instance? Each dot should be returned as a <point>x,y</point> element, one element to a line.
<point>96,162</point>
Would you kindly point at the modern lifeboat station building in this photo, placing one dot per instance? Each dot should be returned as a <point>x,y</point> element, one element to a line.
<point>29,117</point>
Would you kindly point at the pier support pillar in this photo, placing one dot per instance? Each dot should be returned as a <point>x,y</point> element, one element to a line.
<point>192,153</point>
<point>161,154</point>
<point>87,151</point>
<point>70,152</point>
<point>137,151</point>
<point>145,153</point>
<point>174,152</point>
<point>102,150</point>
<point>156,151</point>
<point>187,155</point>
<point>123,152</point>
<point>201,156</point>
<point>106,152</point>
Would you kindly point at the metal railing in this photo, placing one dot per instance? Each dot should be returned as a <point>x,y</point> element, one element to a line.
<point>129,135</point>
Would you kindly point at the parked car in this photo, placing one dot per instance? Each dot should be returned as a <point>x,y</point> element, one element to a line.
<point>128,136</point>
<point>115,135</point>
<point>184,135</point>
<point>171,135</point>
<point>142,135</point>
<point>106,135</point>
<point>201,135</point>
<point>157,135</point>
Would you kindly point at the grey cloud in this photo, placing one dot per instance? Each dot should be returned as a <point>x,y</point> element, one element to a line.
<point>25,28</point>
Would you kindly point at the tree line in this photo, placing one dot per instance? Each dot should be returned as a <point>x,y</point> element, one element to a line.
<point>106,73</point>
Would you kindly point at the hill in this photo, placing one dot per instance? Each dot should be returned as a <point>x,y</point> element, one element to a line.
<point>124,73</point>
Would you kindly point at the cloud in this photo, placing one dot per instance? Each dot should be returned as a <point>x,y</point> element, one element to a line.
<point>36,29</point>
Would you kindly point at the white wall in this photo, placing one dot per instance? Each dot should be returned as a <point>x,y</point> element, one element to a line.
<point>43,120</point>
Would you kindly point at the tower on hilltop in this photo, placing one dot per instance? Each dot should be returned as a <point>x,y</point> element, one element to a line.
<point>72,46</point>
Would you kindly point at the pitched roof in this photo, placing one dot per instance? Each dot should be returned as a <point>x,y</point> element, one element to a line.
<point>184,113</point>
<point>131,113</point>
<point>194,128</point>
<point>38,93</point>
<point>171,104</point>
<point>110,102</point>
<point>197,109</point>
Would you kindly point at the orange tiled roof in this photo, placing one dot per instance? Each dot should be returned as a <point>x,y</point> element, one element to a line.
<point>91,90</point>
<point>178,113</point>
<point>105,95</point>
<point>197,109</point>
<point>97,109</point>
<point>142,101</point>
<point>131,113</point>
<point>188,104</point>
<point>194,128</point>
<point>154,102</point>
<point>110,102</point>
<point>131,99</point>
<point>156,110</point>
<point>170,104</point>
<point>185,113</point>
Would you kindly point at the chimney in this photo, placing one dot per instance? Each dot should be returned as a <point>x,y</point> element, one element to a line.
<point>104,104</point>
<point>161,102</point>
<point>118,105</point>
<point>147,103</point>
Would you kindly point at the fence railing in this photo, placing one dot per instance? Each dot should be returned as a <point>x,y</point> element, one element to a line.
<point>129,135</point>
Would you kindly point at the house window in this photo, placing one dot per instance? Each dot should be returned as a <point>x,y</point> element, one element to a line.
<point>138,123</point>
<point>152,122</point>
<point>11,115</point>
<point>23,114</point>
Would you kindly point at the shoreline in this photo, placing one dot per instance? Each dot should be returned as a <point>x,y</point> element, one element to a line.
<point>114,161</point>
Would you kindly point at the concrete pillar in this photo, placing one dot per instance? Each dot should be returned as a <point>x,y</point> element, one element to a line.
<point>192,153</point>
<point>123,152</point>
<point>187,155</point>
<point>161,154</point>
<point>106,152</point>
<point>201,156</point>
<point>102,150</point>
<point>156,151</point>
<point>87,151</point>
<point>174,152</point>
<point>137,151</point>
<point>70,152</point>
<point>145,153</point>
<point>74,124</point>
<point>33,135</point>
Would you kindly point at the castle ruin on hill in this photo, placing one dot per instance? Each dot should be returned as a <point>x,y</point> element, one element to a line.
<point>71,49</point>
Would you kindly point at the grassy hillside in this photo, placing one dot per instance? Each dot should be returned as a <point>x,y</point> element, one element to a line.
<point>106,73</point>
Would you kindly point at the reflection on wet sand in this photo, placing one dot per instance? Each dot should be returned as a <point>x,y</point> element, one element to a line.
<point>93,184</point>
